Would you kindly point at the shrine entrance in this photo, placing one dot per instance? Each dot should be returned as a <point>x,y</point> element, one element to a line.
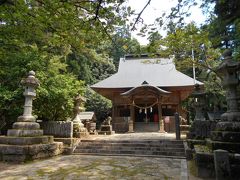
<point>145,108</point>
<point>146,120</point>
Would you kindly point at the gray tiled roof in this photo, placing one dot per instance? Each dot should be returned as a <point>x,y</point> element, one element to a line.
<point>160,72</point>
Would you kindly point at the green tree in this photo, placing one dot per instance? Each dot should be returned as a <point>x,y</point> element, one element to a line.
<point>56,90</point>
<point>122,44</point>
<point>154,46</point>
<point>90,66</point>
<point>183,43</point>
<point>97,103</point>
<point>222,23</point>
<point>42,36</point>
<point>224,27</point>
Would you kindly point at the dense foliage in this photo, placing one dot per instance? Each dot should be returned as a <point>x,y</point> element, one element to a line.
<point>199,46</point>
<point>100,105</point>
<point>72,44</point>
<point>59,40</point>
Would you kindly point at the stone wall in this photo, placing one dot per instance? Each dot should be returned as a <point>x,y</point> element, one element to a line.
<point>61,129</point>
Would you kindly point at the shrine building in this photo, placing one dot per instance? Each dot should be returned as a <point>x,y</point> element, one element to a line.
<point>145,93</point>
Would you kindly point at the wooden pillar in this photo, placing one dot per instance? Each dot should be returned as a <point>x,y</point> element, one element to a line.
<point>161,123</point>
<point>132,119</point>
<point>179,101</point>
<point>178,109</point>
<point>113,115</point>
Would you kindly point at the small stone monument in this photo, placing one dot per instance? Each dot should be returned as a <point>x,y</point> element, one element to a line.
<point>26,141</point>
<point>227,132</point>
<point>78,127</point>
<point>106,127</point>
<point>222,165</point>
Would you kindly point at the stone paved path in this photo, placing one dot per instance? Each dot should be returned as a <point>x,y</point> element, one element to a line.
<point>98,167</point>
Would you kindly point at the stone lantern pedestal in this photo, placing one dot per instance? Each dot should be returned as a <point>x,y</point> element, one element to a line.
<point>25,141</point>
<point>227,132</point>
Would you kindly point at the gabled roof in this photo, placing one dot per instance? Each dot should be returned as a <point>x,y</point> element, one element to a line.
<point>144,87</point>
<point>159,72</point>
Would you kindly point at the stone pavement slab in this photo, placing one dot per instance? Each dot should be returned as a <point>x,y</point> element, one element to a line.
<point>98,167</point>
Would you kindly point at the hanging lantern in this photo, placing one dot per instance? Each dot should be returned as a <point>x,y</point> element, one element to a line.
<point>151,109</point>
<point>140,110</point>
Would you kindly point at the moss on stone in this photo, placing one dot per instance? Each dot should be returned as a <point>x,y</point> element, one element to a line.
<point>202,148</point>
<point>40,172</point>
<point>192,168</point>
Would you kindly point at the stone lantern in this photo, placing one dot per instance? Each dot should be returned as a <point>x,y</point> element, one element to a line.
<point>30,83</point>
<point>78,127</point>
<point>25,141</point>
<point>199,128</point>
<point>227,133</point>
<point>78,100</point>
<point>26,124</point>
<point>199,103</point>
<point>228,70</point>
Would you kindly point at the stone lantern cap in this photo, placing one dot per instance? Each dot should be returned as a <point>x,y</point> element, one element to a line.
<point>198,91</point>
<point>30,81</point>
<point>228,63</point>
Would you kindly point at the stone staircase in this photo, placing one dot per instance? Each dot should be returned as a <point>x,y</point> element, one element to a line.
<point>168,148</point>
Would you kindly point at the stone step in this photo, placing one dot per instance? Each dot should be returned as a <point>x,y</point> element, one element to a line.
<point>136,141</point>
<point>122,146</point>
<point>133,148</point>
<point>92,144</point>
<point>129,151</point>
<point>135,152</point>
<point>132,155</point>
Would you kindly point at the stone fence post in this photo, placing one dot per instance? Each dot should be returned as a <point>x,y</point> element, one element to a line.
<point>222,165</point>
<point>177,126</point>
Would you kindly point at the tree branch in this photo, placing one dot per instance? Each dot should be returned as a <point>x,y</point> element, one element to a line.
<point>139,15</point>
<point>108,35</point>
<point>97,9</point>
<point>7,2</point>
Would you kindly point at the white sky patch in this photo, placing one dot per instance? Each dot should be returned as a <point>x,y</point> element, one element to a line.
<point>156,9</point>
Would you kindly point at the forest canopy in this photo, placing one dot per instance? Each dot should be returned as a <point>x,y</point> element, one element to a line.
<point>73,44</point>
